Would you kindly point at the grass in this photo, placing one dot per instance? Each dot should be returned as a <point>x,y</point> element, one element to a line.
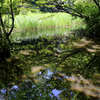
<point>45,20</point>
<point>40,24</point>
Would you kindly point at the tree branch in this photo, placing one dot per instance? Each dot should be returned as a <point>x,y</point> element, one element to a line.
<point>12,15</point>
<point>97,3</point>
<point>76,13</point>
<point>70,10</point>
<point>2,24</point>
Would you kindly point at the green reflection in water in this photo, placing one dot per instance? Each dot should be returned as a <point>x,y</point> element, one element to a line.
<point>36,33</point>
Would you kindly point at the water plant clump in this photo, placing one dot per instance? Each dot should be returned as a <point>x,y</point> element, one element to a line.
<point>34,25</point>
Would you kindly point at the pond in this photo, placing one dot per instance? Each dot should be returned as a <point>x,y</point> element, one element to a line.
<point>39,58</point>
<point>36,33</point>
<point>43,87</point>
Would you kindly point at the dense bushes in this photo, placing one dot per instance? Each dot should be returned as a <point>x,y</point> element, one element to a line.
<point>89,10</point>
<point>93,25</point>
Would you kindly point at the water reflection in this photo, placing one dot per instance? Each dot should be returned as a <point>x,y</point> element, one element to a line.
<point>3,91</point>
<point>18,36</point>
<point>56,93</point>
<point>43,90</point>
<point>48,74</point>
<point>15,87</point>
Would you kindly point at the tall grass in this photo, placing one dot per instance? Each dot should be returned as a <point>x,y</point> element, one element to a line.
<point>32,24</point>
<point>42,20</point>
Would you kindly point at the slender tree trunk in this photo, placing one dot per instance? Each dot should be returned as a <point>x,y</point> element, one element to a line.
<point>4,34</point>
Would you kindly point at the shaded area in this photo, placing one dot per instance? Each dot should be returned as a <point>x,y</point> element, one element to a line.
<point>60,54</point>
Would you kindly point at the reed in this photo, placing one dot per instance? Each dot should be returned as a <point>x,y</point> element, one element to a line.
<point>32,21</point>
<point>38,24</point>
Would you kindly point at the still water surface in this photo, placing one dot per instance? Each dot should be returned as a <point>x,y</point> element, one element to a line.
<point>36,33</point>
<point>53,93</point>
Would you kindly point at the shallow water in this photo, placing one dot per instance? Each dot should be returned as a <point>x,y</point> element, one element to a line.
<point>36,33</point>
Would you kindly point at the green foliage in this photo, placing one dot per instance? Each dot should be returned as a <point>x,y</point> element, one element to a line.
<point>32,25</point>
<point>47,56</point>
<point>49,52</point>
<point>89,10</point>
<point>5,6</point>
<point>87,7</point>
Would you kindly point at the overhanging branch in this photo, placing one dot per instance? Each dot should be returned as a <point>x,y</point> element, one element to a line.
<point>68,9</point>
<point>97,3</point>
<point>76,13</point>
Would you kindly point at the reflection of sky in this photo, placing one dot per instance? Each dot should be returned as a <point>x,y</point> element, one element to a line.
<point>56,92</point>
<point>3,91</point>
<point>48,74</point>
<point>15,87</point>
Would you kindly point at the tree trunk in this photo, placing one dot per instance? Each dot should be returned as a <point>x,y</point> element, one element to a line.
<point>4,50</point>
<point>5,53</point>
